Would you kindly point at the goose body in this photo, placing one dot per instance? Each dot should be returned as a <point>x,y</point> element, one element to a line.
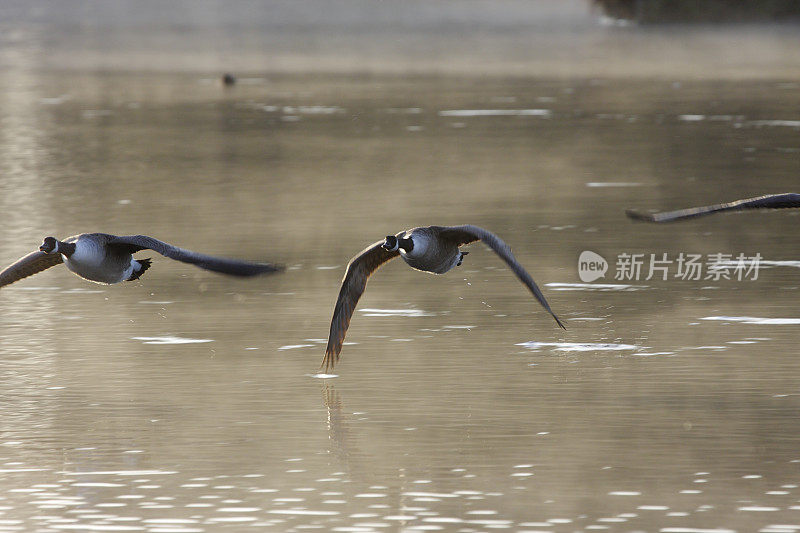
<point>768,201</point>
<point>434,249</point>
<point>93,260</point>
<point>428,252</point>
<point>106,258</point>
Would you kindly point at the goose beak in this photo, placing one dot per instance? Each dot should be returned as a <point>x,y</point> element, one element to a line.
<point>390,243</point>
<point>42,249</point>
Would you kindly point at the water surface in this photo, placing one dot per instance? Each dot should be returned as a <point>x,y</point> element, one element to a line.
<point>188,401</point>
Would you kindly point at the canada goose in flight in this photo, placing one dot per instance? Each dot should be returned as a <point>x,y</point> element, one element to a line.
<point>105,258</point>
<point>430,249</point>
<point>768,201</point>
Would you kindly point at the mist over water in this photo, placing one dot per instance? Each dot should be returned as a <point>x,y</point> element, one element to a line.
<point>187,401</point>
<point>470,37</point>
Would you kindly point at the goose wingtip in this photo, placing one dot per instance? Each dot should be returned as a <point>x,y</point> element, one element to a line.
<point>639,216</point>
<point>273,267</point>
<point>329,361</point>
<point>259,269</point>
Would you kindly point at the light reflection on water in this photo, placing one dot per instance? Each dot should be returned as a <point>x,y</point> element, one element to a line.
<point>183,402</point>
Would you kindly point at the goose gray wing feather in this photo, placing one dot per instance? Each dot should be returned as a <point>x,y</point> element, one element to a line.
<point>769,201</point>
<point>28,265</point>
<point>233,267</point>
<point>353,284</point>
<point>469,233</point>
<point>31,264</point>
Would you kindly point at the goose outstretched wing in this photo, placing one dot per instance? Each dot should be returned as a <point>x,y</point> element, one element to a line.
<point>232,267</point>
<point>353,284</point>
<point>769,201</point>
<point>28,265</point>
<point>469,233</point>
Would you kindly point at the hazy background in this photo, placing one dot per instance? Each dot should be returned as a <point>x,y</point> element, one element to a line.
<point>567,38</point>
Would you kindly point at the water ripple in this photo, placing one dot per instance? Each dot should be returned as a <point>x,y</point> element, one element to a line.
<point>577,346</point>
<point>170,340</point>
<point>754,320</point>
<point>395,312</point>
<point>600,287</point>
<point>495,113</point>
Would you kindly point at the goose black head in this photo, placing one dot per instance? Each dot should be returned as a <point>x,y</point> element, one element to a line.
<point>391,243</point>
<point>49,246</point>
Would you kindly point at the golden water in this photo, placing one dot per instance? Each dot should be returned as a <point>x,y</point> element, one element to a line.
<point>188,401</point>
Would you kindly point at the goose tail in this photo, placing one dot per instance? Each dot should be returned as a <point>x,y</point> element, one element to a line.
<point>144,264</point>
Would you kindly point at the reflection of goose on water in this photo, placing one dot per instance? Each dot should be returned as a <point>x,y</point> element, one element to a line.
<point>432,249</point>
<point>105,258</point>
<point>769,201</point>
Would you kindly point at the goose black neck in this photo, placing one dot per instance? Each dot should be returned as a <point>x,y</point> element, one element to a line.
<point>405,244</point>
<point>66,248</point>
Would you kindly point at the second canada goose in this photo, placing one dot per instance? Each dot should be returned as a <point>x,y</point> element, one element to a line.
<point>432,249</point>
<point>105,258</point>
<point>768,201</point>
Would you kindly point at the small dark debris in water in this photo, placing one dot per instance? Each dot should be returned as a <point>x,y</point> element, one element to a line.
<point>228,79</point>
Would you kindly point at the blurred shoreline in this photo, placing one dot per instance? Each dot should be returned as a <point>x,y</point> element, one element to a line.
<point>701,11</point>
<point>516,38</point>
